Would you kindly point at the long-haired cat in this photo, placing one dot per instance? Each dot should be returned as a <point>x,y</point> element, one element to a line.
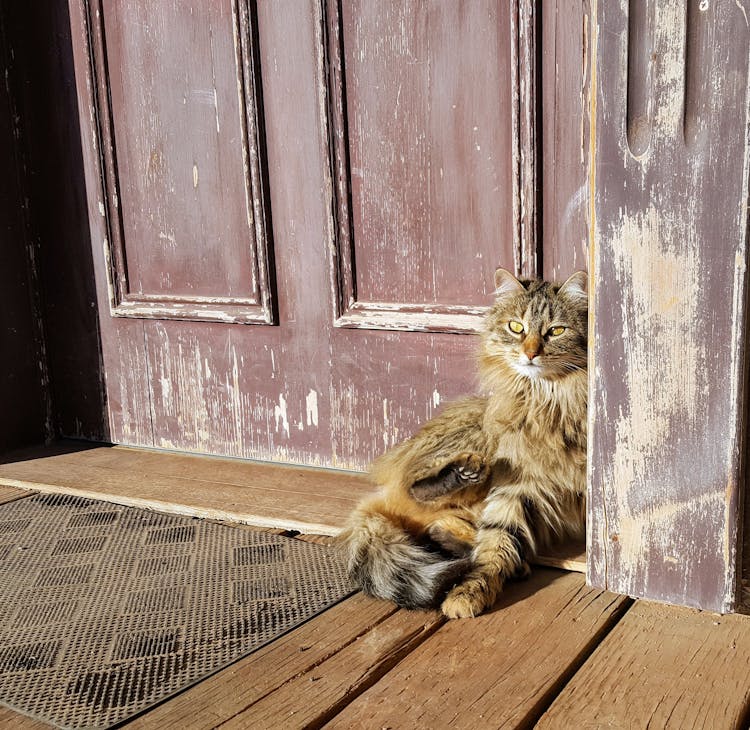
<point>466,502</point>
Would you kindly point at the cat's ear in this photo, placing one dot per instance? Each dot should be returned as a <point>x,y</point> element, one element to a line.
<point>506,283</point>
<point>575,286</point>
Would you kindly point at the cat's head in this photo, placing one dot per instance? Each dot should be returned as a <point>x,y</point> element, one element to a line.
<point>536,329</point>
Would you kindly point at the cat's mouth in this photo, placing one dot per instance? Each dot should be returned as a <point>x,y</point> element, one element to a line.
<point>530,369</point>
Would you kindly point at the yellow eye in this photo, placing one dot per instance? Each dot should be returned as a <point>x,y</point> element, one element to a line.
<point>516,327</point>
<point>557,331</point>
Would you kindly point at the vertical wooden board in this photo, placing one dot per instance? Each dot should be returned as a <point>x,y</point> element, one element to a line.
<point>662,667</point>
<point>124,365</point>
<point>498,670</point>
<point>565,75</point>
<point>669,217</point>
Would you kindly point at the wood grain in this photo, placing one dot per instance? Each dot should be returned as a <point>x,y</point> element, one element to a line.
<point>499,670</point>
<point>304,391</point>
<point>669,188</point>
<point>661,667</point>
<point>268,671</point>
<point>564,156</point>
<point>310,699</point>
<point>566,556</point>
<point>420,157</point>
<point>295,498</point>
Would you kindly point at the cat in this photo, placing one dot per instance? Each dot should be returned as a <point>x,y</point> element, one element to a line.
<point>465,503</point>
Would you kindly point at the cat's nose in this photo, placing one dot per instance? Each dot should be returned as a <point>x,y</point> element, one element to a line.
<point>532,347</point>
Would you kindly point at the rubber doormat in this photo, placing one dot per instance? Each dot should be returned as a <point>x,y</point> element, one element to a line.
<point>106,610</point>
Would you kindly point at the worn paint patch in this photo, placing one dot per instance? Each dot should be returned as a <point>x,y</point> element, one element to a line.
<point>661,301</point>
<point>311,408</point>
<point>280,415</point>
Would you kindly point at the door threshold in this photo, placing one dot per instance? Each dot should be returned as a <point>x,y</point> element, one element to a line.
<point>312,501</point>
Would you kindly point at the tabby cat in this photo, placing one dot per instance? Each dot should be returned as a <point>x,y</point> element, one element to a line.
<point>466,502</point>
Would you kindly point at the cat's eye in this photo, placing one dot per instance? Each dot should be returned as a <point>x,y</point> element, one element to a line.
<point>557,331</point>
<point>515,327</point>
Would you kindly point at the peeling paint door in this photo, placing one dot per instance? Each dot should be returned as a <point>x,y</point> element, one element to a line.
<point>669,236</point>
<point>296,211</point>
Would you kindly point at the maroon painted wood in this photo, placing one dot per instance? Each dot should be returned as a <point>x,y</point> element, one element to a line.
<point>564,154</point>
<point>669,121</point>
<point>356,235</point>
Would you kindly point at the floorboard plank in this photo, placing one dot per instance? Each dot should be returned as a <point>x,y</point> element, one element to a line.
<point>662,667</point>
<point>296,498</point>
<point>310,699</point>
<point>498,670</point>
<point>266,671</point>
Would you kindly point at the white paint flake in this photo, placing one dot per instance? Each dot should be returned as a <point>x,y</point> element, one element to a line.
<point>279,413</point>
<point>435,399</point>
<point>311,405</point>
<point>216,110</point>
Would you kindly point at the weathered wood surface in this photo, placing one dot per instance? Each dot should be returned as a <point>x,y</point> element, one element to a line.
<point>567,556</point>
<point>662,667</point>
<point>298,498</point>
<point>409,127</point>
<point>498,670</point>
<point>310,699</point>
<point>298,660</point>
<point>564,154</point>
<point>669,219</point>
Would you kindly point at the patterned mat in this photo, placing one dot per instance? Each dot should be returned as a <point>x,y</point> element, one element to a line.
<point>106,610</point>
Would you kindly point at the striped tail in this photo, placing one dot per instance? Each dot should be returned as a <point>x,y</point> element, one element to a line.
<point>384,561</point>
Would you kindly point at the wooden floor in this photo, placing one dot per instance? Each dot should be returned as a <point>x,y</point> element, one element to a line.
<point>552,654</point>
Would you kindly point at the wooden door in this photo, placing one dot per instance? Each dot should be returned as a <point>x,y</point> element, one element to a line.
<point>296,211</point>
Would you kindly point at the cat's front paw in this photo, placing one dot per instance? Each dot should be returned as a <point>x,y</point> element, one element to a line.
<point>466,600</point>
<point>468,469</point>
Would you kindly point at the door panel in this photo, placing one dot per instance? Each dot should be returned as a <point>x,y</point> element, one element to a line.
<point>188,216</point>
<point>364,243</point>
<point>430,154</point>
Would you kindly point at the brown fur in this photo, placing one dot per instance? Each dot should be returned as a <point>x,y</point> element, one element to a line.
<point>496,475</point>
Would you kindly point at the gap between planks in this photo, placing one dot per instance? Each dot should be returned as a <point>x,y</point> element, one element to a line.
<point>299,498</point>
